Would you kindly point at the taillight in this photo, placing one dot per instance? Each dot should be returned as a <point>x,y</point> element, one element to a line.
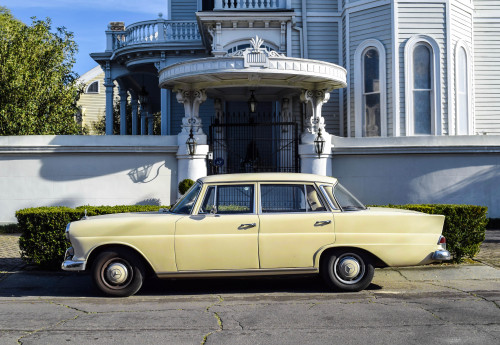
<point>442,241</point>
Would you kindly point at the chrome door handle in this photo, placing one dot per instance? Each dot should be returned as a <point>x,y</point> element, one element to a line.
<point>322,222</point>
<point>246,226</point>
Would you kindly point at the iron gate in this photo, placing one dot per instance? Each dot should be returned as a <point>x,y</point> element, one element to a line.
<point>254,147</point>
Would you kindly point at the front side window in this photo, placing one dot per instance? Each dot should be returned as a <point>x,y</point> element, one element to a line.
<point>186,203</point>
<point>371,94</point>
<point>422,89</point>
<point>290,198</point>
<point>230,199</point>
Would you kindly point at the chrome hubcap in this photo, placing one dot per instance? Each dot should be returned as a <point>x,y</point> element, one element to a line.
<point>349,268</point>
<point>116,273</point>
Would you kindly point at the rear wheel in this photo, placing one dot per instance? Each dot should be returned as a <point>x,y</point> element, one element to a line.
<point>118,272</point>
<point>347,270</point>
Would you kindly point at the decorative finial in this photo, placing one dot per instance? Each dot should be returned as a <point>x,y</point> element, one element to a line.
<point>256,42</point>
<point>160,15</point>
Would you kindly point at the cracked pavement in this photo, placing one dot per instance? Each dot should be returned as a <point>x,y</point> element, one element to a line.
<point>442,305</point>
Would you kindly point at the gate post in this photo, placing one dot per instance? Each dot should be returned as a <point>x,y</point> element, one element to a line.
<point>310,161</point>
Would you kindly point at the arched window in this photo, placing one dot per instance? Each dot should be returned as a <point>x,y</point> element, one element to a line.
<point>423,100</point>
<point>370,93</point>
<point>93,88</point>
<point>463,107</point>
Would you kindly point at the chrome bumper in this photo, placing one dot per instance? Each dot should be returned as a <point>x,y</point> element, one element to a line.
<point>441,255</point>
<point>69,264</point>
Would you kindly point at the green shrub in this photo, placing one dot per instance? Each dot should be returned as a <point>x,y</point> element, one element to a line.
<point>9,229</point>
<point>184,185</point>
<point>42,241</point>
<point>464,226</point>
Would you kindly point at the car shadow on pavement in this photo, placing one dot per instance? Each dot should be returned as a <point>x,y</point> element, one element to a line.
<point>70,284</point>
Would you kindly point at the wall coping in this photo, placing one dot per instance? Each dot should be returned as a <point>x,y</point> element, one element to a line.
<point>87,143</point>
<point>416,145</point>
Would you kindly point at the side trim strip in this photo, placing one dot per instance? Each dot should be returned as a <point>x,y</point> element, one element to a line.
<point>229,273</point>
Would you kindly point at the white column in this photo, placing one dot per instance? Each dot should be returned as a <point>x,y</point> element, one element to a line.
<point>150,121</point>
<point>123,111</point>
<point>192,167</point>
<point>310,161</point>
<point>165,112</point>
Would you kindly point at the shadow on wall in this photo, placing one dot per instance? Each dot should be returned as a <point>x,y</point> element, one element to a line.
<point>143,174</point>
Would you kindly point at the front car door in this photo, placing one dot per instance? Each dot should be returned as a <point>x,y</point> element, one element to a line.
<point>294,224</point>
<point>222,233</point>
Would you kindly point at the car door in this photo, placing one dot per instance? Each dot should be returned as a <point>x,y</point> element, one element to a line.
<point>294,224</point>
<point>223,234</point>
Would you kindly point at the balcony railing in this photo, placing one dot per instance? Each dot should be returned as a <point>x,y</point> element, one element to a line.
<point>239,5</point>
<point>153,32</point>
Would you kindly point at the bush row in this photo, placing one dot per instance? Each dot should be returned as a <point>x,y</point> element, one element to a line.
<point>464,226</point>
<point>42,241</point>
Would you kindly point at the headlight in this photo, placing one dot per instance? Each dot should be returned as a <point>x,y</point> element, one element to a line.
<point>67,231</point>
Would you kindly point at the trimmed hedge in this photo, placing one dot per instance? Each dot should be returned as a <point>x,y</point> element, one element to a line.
<point>184,185</point>
<point>464,226</point>
<point>42,241</point>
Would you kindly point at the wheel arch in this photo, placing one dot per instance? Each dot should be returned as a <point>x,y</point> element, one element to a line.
<point>94,252</point>
<point>325,252</point>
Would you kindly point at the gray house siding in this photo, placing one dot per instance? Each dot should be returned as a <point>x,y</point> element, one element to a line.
<point>323,44</point>
<point>487,66</point>
<point>184,9</point>
<point>461,30</point>
<point>372,23</point>
<point>427,19</point>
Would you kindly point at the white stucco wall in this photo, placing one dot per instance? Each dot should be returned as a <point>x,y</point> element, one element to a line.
<point>85,170</point>
<point>452,170</point>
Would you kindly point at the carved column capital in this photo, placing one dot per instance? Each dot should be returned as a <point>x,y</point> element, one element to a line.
<point>191,100</point>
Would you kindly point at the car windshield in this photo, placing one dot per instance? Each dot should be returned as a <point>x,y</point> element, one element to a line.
<point>185,204</point>
<point>346,200</point>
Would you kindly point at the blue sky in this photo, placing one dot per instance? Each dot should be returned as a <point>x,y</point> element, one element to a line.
<point>87,19</point>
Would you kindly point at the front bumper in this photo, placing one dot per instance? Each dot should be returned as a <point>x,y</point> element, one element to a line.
<point>441,255</point>
<point>71,265</point>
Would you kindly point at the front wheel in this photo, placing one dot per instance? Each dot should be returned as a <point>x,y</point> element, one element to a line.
<point>347,271</point>
<point>118,272</point>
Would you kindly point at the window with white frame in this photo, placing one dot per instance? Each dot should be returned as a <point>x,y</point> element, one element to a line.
<point>93,87</point>
<point>370,93</point>
<point>423,108</point>
<point>462,90</point>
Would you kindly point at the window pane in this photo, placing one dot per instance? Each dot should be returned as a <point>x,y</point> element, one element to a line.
<point>235,199</point>
<point>422,67</point>
<point>313,201</point>
<point>462,94</point>
<point>209,200</point>
<point>186,203</point>
<point>282,198</point>
<point>371,71</point>
<point>329,194</point>
<point>346,200</point>
<point>93,88</point>
<point>371,118</point>
<point>422,112</point>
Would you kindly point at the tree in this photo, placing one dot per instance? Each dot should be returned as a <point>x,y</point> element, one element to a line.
<point>38,89</point>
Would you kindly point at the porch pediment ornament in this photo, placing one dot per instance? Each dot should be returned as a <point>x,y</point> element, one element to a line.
<point>255,56</point>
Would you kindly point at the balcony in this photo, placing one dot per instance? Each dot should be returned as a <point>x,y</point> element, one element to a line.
<point>152,33</point>
<point>252,5</point>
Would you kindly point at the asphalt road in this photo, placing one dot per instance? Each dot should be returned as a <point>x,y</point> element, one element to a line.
<point>428,305</point>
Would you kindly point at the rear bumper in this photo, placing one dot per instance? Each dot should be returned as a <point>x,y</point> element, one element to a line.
<point>443,255</point>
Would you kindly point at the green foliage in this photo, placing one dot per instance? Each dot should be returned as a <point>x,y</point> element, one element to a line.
<point>99,127</point>
<point>43,242</point>
<point>184,185</point>
<point>9,229</point>
<point>464,226</point>
<point>38,90</point>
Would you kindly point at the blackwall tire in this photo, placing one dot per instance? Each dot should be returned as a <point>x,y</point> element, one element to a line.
<point>118,272</point>
<point>350,271</point>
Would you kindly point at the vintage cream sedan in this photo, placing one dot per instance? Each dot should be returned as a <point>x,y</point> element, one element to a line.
<point>254,224</point>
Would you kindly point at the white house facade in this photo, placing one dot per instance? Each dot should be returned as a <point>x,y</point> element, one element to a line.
<point>397,98</point>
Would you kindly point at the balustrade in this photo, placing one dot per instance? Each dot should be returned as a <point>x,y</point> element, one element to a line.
<point>153,32</point>
<point>250,4</point>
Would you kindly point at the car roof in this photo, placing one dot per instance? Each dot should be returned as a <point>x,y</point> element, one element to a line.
<point>263,177</point>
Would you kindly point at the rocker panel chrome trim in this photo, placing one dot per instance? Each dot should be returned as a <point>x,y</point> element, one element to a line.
<point>235,273</point>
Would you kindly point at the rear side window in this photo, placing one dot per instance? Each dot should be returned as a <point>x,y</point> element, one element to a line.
<point>290,198</point>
